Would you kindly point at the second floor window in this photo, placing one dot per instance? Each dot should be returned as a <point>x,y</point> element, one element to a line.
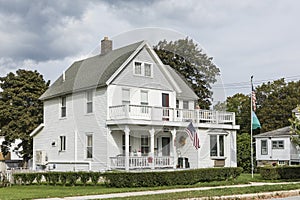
<point>89,101</point>
<point>63,107</point>
<point>63,142</point>
<point>147,68</point>
<point>185,105</point>
<point>125,96</point>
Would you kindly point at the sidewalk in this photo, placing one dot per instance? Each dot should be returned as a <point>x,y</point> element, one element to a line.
<point>128,194</point>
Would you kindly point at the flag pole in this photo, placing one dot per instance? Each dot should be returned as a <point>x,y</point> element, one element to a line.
<point>251,131</point>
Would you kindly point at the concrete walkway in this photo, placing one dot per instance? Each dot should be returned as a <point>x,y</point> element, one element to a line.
<point>153,192</point>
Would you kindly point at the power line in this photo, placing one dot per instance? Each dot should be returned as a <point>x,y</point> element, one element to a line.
<point>244,85</point>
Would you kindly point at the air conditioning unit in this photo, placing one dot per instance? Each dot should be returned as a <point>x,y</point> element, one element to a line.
<point>40,157</point>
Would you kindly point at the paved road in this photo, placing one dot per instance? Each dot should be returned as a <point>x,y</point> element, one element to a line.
<point>288,198</point>
<point>128,194</point>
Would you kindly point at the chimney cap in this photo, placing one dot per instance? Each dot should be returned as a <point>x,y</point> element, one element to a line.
<point>105,38</point>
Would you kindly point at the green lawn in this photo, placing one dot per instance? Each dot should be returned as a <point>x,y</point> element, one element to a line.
<point>43,191</point>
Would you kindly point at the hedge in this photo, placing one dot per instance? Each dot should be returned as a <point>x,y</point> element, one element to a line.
<point>130,179</point>
<point>54,178</point>
<point>165,178</point>
<point>280,172</point>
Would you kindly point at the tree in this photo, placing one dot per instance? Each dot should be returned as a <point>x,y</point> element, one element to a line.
<point>244,151</point>
<point>276,101</point>
<point>21,111</point>
<point>295,129</point>
<point>195,66</point>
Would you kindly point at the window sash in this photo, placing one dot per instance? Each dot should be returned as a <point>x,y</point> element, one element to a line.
<point>63,106</point>
<point>144,98</point>
<point>264,147</point>
<point>185,105</point>
<point>144,144</point>
<point>213,145</point>
<point>137,68</point>
<point>217,147</point>
<point>89,146</point>
<point>147,68</point>
<point>278,144</point>
<point>62,143</point>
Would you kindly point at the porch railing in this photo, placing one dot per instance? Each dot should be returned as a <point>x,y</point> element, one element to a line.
<point>170,114</point>
<point>140,162</point>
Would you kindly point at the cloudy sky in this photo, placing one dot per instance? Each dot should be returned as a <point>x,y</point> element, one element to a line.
<point>249,37</point>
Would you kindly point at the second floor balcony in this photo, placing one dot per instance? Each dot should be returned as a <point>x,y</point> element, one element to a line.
<point>141,112</point>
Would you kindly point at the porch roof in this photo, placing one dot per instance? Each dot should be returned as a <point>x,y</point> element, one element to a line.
<point>281,132</point>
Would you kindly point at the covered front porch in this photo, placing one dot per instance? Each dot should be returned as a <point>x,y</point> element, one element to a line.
<point>144,147</point>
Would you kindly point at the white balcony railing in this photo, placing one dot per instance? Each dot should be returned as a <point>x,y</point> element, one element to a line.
<point>140,162</point>
<point>170,114</point>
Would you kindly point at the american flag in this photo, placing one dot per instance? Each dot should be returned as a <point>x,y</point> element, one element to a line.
<point>191,131</point>
<point>253,97</point>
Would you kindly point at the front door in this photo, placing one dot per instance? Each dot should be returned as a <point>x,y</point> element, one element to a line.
<point>165,105</point>
<point>165,146</point>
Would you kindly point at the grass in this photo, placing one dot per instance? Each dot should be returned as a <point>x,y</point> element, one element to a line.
<point>47,191</point>
<point>215,192</point>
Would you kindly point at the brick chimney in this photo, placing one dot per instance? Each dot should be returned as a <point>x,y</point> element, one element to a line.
<point>106,45</point>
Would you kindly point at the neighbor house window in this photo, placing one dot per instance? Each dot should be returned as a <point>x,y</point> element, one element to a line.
<point>278,144</point>
<point>125,96</point>
<point>63,143</point>
<point>147,68</point>
<point>89,146</point>
<point>217,145</point>
<point>264,147</point>
<point>144,144</point>
<point>63,107</point>
<point>138,68</point>
<point>89,101</point>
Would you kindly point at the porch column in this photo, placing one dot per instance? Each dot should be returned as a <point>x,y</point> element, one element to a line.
<point>152,131</point>
<point>173,132</point>
<point>127,131</point>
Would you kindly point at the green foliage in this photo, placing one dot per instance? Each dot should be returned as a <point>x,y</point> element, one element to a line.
<point>21,111</point>
<point>284,172</point>
<point>95,177</point>
<point>180,177</point>
<point>276,101</point>
<point>295,129</point>
<point>84,177</point>
<point>244,151</point>
<point>196,67</point>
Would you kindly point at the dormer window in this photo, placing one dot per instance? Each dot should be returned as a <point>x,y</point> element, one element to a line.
<point>142,69</point>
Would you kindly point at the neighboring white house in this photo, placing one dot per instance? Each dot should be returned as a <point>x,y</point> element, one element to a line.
<point>125,109</point>
<point>276,147</point>
<point>11,160</point>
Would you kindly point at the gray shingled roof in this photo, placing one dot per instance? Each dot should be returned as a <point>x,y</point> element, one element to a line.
<point>91,72</point>
<point>186,91</point>
<point>285,131</point>
<point>95,71</point>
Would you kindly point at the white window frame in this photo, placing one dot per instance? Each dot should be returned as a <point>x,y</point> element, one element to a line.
<point>63,107</point>
<point>264,150</point>
<point>150,65</point>
<point>135,68</point>
<point>89,101</point>
<point>89,147</point>
<point>143,69</point>
<point>185,105</point>
<point>220,147</point>
<point>125,100</point>
<point>145,147</point>
<point>62,143</point>
<point>277,144</point>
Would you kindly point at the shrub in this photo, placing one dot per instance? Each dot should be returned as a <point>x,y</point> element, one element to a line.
<point>95,177</point>
<point>180,177</point>
<point>84,177</point>
<point>281,172</point>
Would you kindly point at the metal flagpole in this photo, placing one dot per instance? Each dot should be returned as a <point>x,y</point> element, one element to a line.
<point>252,168</point>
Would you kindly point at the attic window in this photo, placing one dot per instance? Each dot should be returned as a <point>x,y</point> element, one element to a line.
<point>142,69</point>
<point>137,68</point>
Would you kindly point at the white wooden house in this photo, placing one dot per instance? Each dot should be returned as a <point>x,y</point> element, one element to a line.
<point>125,109</point>
<point>276,147</point>
<point>11,160</point>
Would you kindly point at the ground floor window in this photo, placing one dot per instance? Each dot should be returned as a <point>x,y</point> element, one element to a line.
<point>264,147</point>
<point>89,146</point>
<point>144,145</point>
<point>62,146</point>
<point>217,145</point>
